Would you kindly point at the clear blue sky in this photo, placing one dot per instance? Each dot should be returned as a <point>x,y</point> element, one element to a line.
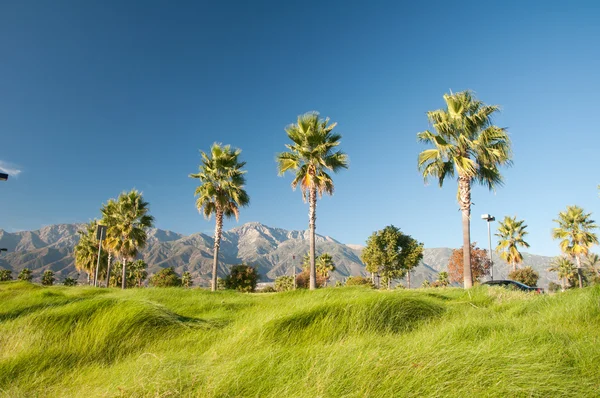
<point>98,97</point>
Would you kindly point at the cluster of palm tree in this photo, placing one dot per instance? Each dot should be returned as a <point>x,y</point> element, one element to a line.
<point>127,220</point>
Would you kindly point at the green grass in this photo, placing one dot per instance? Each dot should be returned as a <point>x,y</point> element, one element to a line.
<point>342,342</point>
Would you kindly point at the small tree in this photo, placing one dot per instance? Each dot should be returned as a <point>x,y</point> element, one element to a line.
<point>48,278</point>
<point>553,287</point>
<point>186,279</point>
<point>116,276</point>
<point>359,281</point>
<point>284,283</point>
<point>480,264</point>
<point>242,278</point>
<point>5,275</point>
<point>426,284</point>
<point>221,284</point>
<point>525,275</point>
<point>25,275</point>
<point>443,277</point>
<point>70,281</point>
<point>138,272</point>
<point>565,269</point>
<point>166,277</point>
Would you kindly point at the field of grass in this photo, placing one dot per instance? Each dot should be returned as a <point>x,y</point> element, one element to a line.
<point>336,342</point>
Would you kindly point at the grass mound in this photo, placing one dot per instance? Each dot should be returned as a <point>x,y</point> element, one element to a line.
<point>343,342</point>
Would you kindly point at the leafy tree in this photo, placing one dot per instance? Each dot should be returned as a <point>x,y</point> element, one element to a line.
<point>575,234</point>
<point>465,142</point>
<point>5,275</point>
<point>70,281</point>
<point>221,284</point>
<point>390,253</point>
<point>116,276</point>
<point>443,278</point>
<point>511,233</point>
<point>312,154</point>
<point>525,275</point>
<point>127,221</point>
<point>565,269</point>
<point>25,275</point>
<point>480,264</point>
<point>48,278</point>
<point>221,191</point>
<point>242,278</point>
<point>284,283</point>
<point>86,252</point>
<point>186,280</point>
<point>553,287</point>
<point>359,281</point>
<point>138,271</point>
<point>166,277</point>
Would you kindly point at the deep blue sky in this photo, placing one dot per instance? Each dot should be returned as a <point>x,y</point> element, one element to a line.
<point>97,97</point>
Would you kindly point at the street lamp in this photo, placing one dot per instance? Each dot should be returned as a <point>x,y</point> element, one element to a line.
<point>489,218</point>
<point>3,176</point>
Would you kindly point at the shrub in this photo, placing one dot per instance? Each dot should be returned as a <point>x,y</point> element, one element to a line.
<point>5,275</point>
<point>525,275</point>
<point>554,287</point>
<point>48,278</point>
<point>303,280</point>
<point>70,281</point>
<point>267,289</point>
<point>221,284</point>
<point>426,283</point>
<point>166,277</point>
<point>284,283</point>
<point>359,281</point>
<point>25,275</point>
<point>242,278</point>
<point>186,280</point>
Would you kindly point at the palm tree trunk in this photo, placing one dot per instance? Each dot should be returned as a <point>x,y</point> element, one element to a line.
<point>312,218</point>
<point>464,200</point>
<point>108,269</point>
<point>579,271</point>
<point>123,281</point>
<point>408,278</point>
<point>218,232</point>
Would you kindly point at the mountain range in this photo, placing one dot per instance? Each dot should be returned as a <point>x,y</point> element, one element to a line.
<point>271,250</point>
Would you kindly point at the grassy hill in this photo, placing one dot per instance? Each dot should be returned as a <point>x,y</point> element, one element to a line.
<point>336,342</point>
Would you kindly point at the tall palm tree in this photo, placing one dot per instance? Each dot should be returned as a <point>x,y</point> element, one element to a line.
<point>86,252</point>
<point>511,233</point>
<point>127,220</point>
<point>575,233</point>
<point>221,191</point>
<point>311,155</point>
<point>564,268</point>
<point>466,143</point>
<point>106,210</point>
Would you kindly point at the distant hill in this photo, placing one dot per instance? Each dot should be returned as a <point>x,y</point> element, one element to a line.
<point>271,250</point>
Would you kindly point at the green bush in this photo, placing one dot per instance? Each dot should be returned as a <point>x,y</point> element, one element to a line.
<point>221,284</point>
<point>5,275</point>
<point>186,279</point>
<point>242,278</point>
<point>267,289</point>
<point>70,281</point>
<point>284,283</point>
<point>25,275</point>
<point>525,275</point>
<point>48,278</point>
<point>166,277</point>
<point>554,287</point>
<point>359,281</point>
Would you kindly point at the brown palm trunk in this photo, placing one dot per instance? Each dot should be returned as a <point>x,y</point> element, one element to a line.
<point>123,281</point>
<point>312,218</point>
<point>218,232</point>
<point>408,278</point>
<point>579,271</point>
<point>108,270</point>
<point>464,200</point>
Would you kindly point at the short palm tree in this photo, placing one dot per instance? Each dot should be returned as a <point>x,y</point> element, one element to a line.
<point>127,221</point>
<point>325,266</point>
<point>511,233</point>
<point>139,271</point>
<point>86,252</point>
<point>575,233</point>
<point>311,155</point>
<point>466,143</point>
<point>565,270</point>
<point>221,191</point>
<point>592,262</point>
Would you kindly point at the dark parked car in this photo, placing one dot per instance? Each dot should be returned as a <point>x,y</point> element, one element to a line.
<point>514,285</point>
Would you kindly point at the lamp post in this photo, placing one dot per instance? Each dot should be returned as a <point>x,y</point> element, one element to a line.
<point>3,176</point>
<point>294,270</point>
<point>489,218</point>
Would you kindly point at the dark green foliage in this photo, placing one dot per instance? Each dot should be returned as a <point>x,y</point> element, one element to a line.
<point>221,284</point>
<point>25,275</point>
<point>284,283</point>
<point>443,279</point>
<point>48,278</point>
<point>242,278</point>
<point>267,289</point>
<point>70,281</point>
<point>186,279</point>
<point>138,271</point>
<point>116,275</point>
<point>554,287</point>
<point>525,275</point>
<point>166,277</point>
<point>5,275</point>
<point>359,281</point>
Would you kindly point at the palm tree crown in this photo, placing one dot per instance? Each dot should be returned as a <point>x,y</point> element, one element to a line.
<point>511,233</point>
<point>86,250</point>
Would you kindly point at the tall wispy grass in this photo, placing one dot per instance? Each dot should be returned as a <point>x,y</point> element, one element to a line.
<point>342,342</point>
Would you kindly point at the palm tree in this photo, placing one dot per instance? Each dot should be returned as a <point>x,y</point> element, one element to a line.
<point>311,155</point>
<point>324,266</point>
<point>564,268</point>
<point>221,191</point>
<point>107,209</point>
<point>127,220</point>
<point>139,271</point>
<point>468,144</point>
<point>592,262</point>
<point>511,233</point>
<point>86,251</point>
<point>575,233</point>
